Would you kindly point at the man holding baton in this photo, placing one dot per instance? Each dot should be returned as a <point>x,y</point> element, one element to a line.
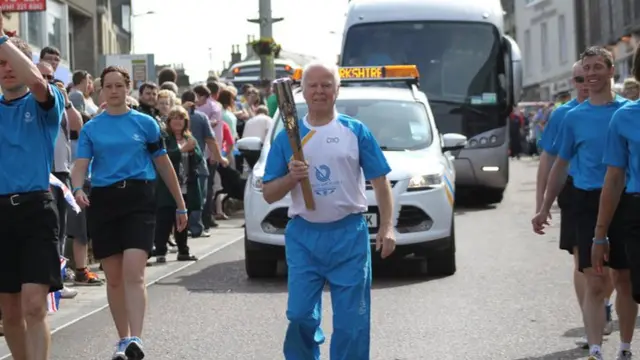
<point>331,243</point>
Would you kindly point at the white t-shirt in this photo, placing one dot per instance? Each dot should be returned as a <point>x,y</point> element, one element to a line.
<point>341,155</point>
<point>257,126</point>
<point>62,148</point>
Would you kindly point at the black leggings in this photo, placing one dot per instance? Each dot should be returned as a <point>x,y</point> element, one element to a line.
<point>165,223</point>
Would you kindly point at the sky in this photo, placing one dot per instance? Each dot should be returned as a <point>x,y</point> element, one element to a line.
<point>183,34</point>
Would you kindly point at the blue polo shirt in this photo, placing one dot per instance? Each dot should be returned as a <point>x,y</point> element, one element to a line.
<point>551,137</point>
<point>622,147</point>
<point>121,147</point>
<point>583,139</point>
<point>549,142</point>
<point>28,134</point>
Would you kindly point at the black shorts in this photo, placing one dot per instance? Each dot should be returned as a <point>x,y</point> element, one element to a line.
<point>586,210</point>
<point>121,217</point>
<point>632,231</point>
<point>29,242</point>
<point>568,223</point>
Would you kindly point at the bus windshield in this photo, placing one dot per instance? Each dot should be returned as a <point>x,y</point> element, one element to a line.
<point>396,125</point>
<point>458,61</point>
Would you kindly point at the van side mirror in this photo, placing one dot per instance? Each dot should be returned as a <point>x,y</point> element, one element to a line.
<point>453,142</point>
<point>513,66</point>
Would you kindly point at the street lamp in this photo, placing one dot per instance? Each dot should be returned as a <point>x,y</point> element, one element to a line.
<point>133,16</point>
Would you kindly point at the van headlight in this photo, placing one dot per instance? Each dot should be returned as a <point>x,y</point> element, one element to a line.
<point>256,183</point>
<point>423,182</point>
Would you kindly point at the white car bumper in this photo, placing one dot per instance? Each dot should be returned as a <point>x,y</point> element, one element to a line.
<point>419,216</point>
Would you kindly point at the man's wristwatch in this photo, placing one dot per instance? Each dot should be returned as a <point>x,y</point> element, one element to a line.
<point>68,106</point>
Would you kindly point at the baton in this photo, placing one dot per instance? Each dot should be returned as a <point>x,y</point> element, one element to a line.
<point>287,107</point>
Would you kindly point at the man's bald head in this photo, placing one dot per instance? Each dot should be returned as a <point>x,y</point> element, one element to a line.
<point>577,69</point>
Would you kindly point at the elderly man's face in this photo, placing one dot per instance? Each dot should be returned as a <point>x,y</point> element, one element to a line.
<point>631,93</point>
<point>319,89</point>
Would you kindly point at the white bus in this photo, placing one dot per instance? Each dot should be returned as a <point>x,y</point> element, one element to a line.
<point>470,71</point>
<point>248,72</point>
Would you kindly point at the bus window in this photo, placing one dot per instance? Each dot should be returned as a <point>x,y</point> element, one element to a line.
<point>457,61</point>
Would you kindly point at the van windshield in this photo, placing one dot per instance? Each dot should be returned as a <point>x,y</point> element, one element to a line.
<point>458,61</point>
<point>396,125</point>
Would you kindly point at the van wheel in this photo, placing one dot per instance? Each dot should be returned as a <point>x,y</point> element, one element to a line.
<point>443,262</point>
<point>256,265</point>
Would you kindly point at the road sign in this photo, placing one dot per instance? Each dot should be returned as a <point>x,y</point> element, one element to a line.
<point>23,5</point>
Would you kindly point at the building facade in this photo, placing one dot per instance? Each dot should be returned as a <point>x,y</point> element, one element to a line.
<point>509,8</point>
<point>114,30</point>
<point>544,32</point>
<point>70,26</point>
<point>82,30</point>
<point>616,25</point>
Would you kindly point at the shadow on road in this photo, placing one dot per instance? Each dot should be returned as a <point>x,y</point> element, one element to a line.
<point>571,354</point>
<point>578,332</point>
<point>576,353</point>
<point>471,208</point>
<point>230,277</point>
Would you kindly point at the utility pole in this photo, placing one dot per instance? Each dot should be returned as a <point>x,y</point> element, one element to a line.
<point>267,68</point>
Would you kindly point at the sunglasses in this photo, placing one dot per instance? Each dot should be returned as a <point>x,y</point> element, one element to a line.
<point>578,79</point>
<point>48,77</point>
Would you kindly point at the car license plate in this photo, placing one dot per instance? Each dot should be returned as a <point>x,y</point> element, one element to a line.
<point>372,220</point>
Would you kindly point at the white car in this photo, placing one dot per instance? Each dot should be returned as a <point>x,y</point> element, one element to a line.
<point>422,179</point>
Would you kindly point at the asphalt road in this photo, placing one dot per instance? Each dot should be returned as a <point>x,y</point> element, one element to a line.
<point>511,299</point>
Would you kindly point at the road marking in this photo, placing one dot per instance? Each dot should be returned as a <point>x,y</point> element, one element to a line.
<point>172,272</point>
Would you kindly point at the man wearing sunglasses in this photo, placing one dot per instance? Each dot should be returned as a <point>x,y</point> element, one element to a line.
<point>550,145</point>
<point>583,144</point>
<point>61,166</point>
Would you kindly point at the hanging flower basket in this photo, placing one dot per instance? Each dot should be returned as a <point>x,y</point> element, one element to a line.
<point>266,47</point>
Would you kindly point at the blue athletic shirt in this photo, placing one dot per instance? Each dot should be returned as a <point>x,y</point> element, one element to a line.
<point>118,146</point>
<point>341,155</point>
<point>27,138</point>
<point>583,141</point>
<point>549,142</point>
<point>622,148</point>
<point>552,134</point>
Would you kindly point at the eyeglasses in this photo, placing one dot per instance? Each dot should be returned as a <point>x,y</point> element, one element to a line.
<point>578,79</point>
<point>48,77</point>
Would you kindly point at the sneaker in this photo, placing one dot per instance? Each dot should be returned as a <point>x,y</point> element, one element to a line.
<point>608,327</point>
<point>69,275</point>
<point>67,293</point>
<point>582,342</point>
<point>119,353</point>
<point>595,356</point>
<point>173,249</point>
<point>187,257</point>
<point>134,349</point>
<point>624,355</point>
<point>161,259</point>
<point>87,278</point>
<point>206,233</point>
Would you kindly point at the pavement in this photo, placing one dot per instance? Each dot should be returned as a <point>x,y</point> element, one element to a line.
<point>511,299</point>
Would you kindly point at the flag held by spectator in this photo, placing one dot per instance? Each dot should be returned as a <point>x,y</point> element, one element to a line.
<point>68,196</point>
<point>53,298</point>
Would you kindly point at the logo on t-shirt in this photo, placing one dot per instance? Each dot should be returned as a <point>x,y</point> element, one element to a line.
<point>28,117</point>
<point>138,138</point>
<point>324,186</point>
<point>323,173</point>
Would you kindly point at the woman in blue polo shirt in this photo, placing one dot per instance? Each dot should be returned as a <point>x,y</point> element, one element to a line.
<point>123,145</point>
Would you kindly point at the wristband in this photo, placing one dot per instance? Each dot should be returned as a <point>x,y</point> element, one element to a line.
<point>601,241</point>
<point>182,212</point>
<point>75,189</point>
<point>4,39</point>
